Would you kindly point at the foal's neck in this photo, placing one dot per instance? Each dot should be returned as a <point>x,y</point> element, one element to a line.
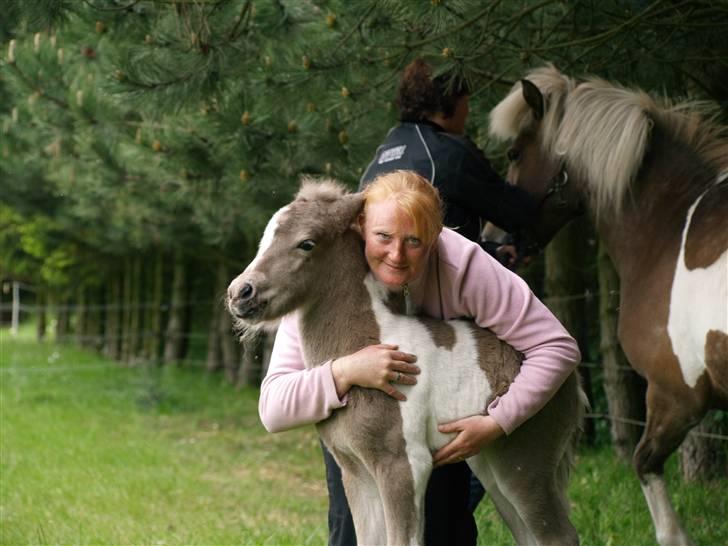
<point>340,319</point>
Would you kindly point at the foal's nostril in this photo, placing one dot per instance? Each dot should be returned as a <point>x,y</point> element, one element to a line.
<point>246,292</point>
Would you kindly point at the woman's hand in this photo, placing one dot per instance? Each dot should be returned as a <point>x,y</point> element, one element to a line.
<point>473,433</point>
<point>375,367</point>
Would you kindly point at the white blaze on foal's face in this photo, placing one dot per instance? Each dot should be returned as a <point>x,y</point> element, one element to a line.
<point>395,253</point>
<point>268,236</point>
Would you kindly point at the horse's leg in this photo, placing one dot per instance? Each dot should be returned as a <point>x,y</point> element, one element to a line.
<point>402,484</point>
<point>507,511</point>
<point>668,422</point>
<point>364,502</point>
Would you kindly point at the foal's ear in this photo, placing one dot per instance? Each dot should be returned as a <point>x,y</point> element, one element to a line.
<point>533,98</point>
<point>348,208</point>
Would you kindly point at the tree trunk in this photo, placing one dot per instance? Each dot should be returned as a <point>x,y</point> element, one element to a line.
<point>703,458</point>
<point>230,349</point>
<point>213,361</point>
<point>565,261</point>
<point>153,329</point>
<point>251,365</point>
<point>125,311</point>
<point>41,300</point>
<point>111,324</point>
<point>214,337</point>
<point>63,323</point>
<point>174,340</point>
<point>624,388</point>
<point>93,333</point>
<point>135,311</point>
<point>81,313</point>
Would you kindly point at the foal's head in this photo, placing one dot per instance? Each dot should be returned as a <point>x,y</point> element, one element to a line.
<point>298,253</point>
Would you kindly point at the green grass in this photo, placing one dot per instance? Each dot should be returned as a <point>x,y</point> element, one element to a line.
<point>95,453</point>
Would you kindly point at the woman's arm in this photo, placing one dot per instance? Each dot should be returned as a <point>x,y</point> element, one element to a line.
<point>478,286</point>
<point>292,396</point>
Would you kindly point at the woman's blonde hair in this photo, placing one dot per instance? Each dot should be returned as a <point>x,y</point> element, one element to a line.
<point>414,195</point>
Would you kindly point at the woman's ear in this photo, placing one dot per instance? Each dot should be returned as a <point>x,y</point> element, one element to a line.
<point>358,224</point>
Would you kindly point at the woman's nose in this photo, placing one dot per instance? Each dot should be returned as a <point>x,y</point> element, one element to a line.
<point>396,252</point>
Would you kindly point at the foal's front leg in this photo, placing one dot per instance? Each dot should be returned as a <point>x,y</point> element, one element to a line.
<point>402,484</point>
<point>364,501</point>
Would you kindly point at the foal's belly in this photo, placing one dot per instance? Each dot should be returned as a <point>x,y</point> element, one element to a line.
<point>450,386</point>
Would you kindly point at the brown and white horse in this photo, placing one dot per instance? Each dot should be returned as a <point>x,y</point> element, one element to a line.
<point>654,178</point>
<point>310,261</point>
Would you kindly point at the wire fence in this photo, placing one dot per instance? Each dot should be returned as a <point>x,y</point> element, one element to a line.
<point>102,366</point>
<point>99,339</point>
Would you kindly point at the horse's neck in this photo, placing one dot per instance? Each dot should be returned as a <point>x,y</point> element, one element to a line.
<point>340,319</point>
<point>649,227</point>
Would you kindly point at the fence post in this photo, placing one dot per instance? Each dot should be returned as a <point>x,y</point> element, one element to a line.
<point>15,310</point>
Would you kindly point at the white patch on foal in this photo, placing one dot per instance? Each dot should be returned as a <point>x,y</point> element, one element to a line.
<point>450,385</point>
<point>698,303</point>
<point>268,236</point>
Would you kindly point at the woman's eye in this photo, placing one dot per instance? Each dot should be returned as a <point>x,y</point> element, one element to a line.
<point>384,236</point>
<point>307,245</point>
<point>513,154</point>
<point>413,241</point>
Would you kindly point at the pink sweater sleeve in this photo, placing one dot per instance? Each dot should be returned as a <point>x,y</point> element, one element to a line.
<point>291,395</point>
<point>479,287</point>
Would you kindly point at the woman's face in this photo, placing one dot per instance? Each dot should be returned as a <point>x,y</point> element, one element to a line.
<point>396,255</point>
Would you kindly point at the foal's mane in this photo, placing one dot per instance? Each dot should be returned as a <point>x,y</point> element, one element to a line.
<point>602,130</point>
<point>320,189</point>
<point>324,208</point>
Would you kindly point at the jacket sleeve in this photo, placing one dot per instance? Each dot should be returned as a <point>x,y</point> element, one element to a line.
<point>291,395</point>
<point>473,184</point>
<point>501,301</point>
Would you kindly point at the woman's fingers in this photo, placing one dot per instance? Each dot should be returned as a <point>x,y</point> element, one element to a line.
<point>400,356</point>
<point>394,393</point>
<point>402,377</point>
<point>384,367</point>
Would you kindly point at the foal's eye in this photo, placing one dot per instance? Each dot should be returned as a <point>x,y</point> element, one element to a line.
<point>513,154</point>
<point>307,245</point>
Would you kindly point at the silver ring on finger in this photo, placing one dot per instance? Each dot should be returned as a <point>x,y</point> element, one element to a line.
<point>399,376</point>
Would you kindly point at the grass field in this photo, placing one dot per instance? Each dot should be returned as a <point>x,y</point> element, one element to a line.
<point>95,453</point>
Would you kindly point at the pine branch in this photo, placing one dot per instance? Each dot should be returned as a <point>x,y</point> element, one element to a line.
<point>245,10</point>
<point>118,8</point>
<point>58,102</point>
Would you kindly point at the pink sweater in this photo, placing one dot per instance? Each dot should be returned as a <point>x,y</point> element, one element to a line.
<point>472,284</point>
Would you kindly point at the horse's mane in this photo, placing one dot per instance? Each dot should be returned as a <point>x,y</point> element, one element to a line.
<point>602,130</point>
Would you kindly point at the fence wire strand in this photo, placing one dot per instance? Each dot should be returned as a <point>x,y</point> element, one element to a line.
<point>99,366</point>
<point>141,335</point>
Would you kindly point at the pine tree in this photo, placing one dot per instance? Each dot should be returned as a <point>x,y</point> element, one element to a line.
<point>150,129</point>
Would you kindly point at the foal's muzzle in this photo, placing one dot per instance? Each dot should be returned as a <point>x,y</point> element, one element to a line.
<point>243,301</point>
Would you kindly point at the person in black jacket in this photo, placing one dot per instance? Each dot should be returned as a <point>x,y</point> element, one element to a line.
<point>430,140</point>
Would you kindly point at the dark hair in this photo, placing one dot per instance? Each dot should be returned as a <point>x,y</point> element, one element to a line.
<point>420,94</point>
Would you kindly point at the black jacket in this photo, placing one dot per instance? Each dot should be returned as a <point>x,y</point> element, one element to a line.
<point>471,190</point>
